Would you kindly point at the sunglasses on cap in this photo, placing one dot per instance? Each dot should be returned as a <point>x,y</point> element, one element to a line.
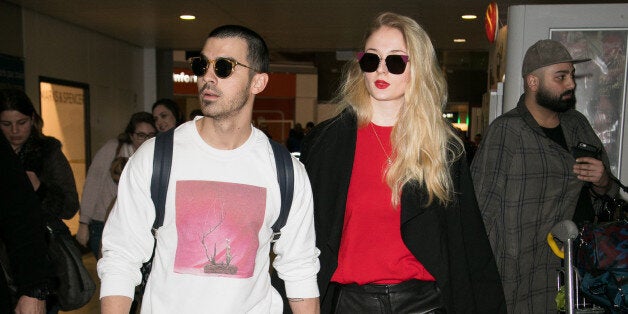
<point>223,67</point>
<point>369,62</point>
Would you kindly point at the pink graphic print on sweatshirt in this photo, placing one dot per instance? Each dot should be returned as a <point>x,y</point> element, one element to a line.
<point>217,227</point>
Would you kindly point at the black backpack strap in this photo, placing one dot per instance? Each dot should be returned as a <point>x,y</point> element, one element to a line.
<point>162,162</point>
<point>285,177</point>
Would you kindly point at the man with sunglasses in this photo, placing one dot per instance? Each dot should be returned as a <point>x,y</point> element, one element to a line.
<point>528,176</point>
<point>212,252</point>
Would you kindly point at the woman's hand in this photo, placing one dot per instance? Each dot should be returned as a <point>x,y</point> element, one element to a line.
<point>34,179</point>
<point>28,305</point>
<point>82,235</point>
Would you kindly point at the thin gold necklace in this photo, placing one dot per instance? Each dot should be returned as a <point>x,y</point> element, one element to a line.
<point>388,160</point>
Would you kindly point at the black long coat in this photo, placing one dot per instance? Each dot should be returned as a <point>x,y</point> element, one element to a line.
<point>449,241</point>
<point>21,228</point>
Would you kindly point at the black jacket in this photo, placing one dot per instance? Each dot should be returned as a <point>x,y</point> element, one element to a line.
<point>21,229</point>
<point>57,191</point>
<point>449,241</point>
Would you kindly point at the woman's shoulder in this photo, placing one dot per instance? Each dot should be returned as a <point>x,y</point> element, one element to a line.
<point>110,145</point>
<point>39,153</point>
<point>46,144</point>
<point>345,119</point>
<point>455,150</point>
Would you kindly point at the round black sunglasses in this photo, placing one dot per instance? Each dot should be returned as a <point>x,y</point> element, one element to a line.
<point>369,62</point>
<point>223,67</point>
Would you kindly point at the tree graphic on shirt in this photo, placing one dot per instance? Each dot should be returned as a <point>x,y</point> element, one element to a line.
<point>213,266</point>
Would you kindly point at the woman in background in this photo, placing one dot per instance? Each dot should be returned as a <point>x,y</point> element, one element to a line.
<point>47,168</point>
<point>100,190</point>
<point>396,218</point>
<point>166,114</point>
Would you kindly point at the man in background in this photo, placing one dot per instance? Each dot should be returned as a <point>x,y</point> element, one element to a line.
<point>529,174</point>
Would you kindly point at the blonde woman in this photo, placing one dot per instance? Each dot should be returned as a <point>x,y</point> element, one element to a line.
<point>397,222</point>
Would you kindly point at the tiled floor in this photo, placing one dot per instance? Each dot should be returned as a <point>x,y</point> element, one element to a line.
<point>94,304</point>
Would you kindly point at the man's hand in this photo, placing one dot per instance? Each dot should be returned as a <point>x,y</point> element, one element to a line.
<point>82,235</point>
<point>28,305</point>
<point>592,170</point>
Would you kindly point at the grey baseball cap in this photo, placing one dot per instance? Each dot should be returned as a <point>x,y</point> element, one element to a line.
<point>546,52</point>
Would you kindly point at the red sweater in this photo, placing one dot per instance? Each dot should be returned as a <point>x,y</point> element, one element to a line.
<point>371,249</point>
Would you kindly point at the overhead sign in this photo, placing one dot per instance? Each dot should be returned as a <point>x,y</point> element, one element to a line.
<point>491,18</point>
<point>11,72</point>
<point>184,82</point>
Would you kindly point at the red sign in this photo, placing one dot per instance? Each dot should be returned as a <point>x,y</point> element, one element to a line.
<point>184,82</point>
<point>490,22</point>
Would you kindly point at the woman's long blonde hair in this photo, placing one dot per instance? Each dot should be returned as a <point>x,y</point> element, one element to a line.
<point>421,139</point>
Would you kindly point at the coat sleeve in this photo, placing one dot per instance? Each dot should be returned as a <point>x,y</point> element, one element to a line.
<point>489,171</point>
<point>96,178</point>
<point>486,286</point>
<point>58,189</point>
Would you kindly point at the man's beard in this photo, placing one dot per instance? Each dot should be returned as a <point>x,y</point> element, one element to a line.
<point>230,107</point>
<point>556,104</point>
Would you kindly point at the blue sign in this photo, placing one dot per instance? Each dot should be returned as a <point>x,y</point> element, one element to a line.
<point>11,72</point>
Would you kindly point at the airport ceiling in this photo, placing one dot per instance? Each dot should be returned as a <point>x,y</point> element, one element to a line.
<point>294,29</point>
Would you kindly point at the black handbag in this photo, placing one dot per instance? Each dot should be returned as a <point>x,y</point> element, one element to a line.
<point>607,208</point>
<point>75,287</point>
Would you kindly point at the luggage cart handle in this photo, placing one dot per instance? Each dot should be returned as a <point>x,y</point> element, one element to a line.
<point>552,244</point>
<point>563,231</point>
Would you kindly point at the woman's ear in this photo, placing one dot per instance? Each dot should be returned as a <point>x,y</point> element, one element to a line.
<point>258,83</point>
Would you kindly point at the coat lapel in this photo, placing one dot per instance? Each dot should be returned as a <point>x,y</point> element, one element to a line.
<point>412,200</point>
<point>343,144</point>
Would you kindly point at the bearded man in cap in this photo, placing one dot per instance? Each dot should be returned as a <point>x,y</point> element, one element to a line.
<point>529,175</point>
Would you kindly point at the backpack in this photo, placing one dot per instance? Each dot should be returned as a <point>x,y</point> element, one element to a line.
<point>162,163</point>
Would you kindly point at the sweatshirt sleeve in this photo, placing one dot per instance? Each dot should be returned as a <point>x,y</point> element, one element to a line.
<point>127,240</point>
<point>297,256</point>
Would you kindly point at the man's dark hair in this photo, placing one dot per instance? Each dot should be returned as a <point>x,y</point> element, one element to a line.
<point>258,56</point>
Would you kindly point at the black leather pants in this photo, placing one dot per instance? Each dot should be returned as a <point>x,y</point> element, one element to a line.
<point>412,296</point>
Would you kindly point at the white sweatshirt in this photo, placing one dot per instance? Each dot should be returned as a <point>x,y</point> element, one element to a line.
<point>213,249</point>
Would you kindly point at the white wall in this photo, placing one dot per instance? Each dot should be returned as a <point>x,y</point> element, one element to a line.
<point>530,23</point>
<point>121,76</point>
<point>325,111</point>
<point>306,98</point>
